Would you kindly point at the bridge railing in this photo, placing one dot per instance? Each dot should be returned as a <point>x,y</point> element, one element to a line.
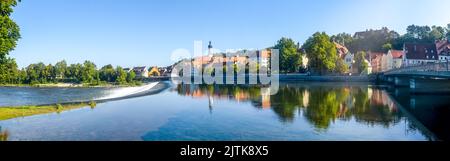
<point>430,67</point>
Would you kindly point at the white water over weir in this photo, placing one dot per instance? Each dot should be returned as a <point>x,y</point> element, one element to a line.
<point>127,91</point>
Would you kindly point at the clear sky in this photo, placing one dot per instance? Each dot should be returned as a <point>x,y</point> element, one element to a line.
<point>146,32</point>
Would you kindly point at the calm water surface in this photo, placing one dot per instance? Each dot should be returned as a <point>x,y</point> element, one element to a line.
<point>300,111</point>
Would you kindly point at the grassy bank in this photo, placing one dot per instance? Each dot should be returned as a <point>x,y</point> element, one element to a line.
<point>7,113</point>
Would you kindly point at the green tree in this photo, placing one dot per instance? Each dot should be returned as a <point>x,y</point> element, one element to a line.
<point>341,67</point>
<point>342,38</point>
<point>61,69</point>
<point>437,33</point>
<point>121,75</point>
<point>360,63</point>
<point>22,78</point>
<point>89,72</point>
<point>321,53</point>
<point>372,40</point>
<point>50,73</point>
<point>290,59</point>
<point>131,76</point>
<point>9,30</point>
<point>74,72</point>
<point>107,73</point>
<point>42,73</point>
<point>448,31</point>
<point>386,47</point>
<point>9,73</point>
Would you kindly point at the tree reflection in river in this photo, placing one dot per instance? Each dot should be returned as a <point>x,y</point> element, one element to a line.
<point>321,105</point>
<point>3,135</point>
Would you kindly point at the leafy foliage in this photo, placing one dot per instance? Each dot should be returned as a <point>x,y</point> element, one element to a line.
<point>75,73</point>
<point>290,59</point>
<point>321,53</point>
<point>372,40</point>
<point>422,34</point>
<point>360,64</point>
<point>9,30</point>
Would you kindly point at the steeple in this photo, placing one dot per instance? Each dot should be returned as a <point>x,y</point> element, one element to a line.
<point>209,48</point>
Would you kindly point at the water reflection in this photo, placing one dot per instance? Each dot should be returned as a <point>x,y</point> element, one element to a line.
<point>3,134</point>
<point>321,105</point>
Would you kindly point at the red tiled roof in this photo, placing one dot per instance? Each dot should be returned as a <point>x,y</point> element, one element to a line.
<point>374,55</point>
<point>421,51</point>
<point>396,54</point>
<point>342,50</point>
<point>443,46</point>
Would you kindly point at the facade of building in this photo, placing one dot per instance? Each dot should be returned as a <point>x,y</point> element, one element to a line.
<point>348,60</point>
<point>443,49</point>
<point>386,62</point>
<point>375,61</point>
<point>154,72</point>
<point>397,58</point>
<point>419,54</point>
<point>369,67</point>
<point>265,57</point>
<point>141,72</point>
<point>345,55</point>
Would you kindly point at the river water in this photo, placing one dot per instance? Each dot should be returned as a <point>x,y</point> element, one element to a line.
<point>299,111</point>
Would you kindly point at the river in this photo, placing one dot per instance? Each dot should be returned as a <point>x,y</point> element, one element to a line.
<point>299,111</point>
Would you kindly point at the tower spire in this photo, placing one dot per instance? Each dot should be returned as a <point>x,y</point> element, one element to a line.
<point>209,48</point>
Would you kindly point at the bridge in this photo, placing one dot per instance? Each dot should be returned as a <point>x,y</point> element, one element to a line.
<point>429,78</point>
<point>438,70</point>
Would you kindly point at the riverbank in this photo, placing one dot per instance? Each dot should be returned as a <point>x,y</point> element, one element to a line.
<point>303,77</point>
<point>11,112</point>
<point>7,113</point>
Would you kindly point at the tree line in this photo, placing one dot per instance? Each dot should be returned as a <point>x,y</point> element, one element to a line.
<point>322,55</point>
<point>86,73</point>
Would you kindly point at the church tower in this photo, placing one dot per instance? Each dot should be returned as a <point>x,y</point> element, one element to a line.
<point>209,48</point>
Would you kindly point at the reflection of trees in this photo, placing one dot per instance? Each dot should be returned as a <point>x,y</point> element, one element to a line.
<point>325,105</point>
<point>3,135</point>
<point>378,110</point>
<point>286,102</point>
<point>321,105</point>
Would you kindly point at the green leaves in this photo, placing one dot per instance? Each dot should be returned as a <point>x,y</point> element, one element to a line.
<point>360,62</point>
<point>290,59</point>
<point>121,75</point>
<point>321,53</point>
<point>9,30</point>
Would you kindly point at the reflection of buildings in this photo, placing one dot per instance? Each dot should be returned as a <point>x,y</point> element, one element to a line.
<point>305,98</point>
<point>259,96</point>
<point>319,105</point>
<point>265,98</point>
<point>381,98</point>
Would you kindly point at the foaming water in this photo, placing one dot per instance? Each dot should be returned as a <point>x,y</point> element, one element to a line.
<point>127,91</point>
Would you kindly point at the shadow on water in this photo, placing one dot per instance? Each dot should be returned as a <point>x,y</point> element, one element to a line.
<point>320,104</point>
<point>432,110</point>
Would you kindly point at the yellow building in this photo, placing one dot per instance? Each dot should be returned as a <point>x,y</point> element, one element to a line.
<point>154,72</point>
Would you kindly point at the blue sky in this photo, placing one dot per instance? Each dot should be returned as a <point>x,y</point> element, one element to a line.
<point>146,32</point>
